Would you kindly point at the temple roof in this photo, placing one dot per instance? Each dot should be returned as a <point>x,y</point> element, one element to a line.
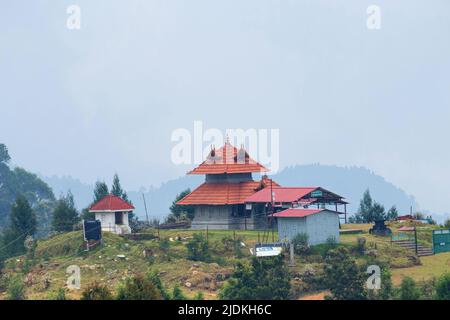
<point>223,193</point>
<point>228,159</point>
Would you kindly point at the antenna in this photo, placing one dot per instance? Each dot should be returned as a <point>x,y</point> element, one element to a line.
<point>145,206</point>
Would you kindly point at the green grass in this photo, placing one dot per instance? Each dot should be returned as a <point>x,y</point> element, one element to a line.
<point>55,254</point>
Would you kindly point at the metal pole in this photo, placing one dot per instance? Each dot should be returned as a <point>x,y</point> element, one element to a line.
<point>415,237</point>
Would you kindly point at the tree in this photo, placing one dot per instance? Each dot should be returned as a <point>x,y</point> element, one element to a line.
<point>138,288</point>
<point>409,290</point>
<point>266,278</point>
<point>100,191</point>
<point>65,215</point>
<point>343,276</point>
<point>392,214</point>
<point>178,210</point>
<point>198,249</point>
<point>4,155</point>
<point>443,287</point>
<point>22,224</point>
<point>369,210</point>
<point>447,224</point>
<point>117,190</point>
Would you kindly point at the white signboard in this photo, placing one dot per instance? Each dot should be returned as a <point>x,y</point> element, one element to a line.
<point>268,251</point>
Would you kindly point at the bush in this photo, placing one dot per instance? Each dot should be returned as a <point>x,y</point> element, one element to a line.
<point>409,290</point>
<point>300,243</point>
<point>156,280</point>
<point>264,279</point>
<point>198,249</point>
<point>443,287</point>
<point>16,289</point>
<point>361,245</point>
<point>177,294</point>
<point>138,288</point>
<point>59,294</point>
<point>96,291</point>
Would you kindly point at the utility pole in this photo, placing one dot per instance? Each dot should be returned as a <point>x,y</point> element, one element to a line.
<point>145,206</point>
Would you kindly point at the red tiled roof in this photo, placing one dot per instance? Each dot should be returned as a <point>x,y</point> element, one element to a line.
<point>111,203</point>
<point>298,213</point>
<point>223,193</point>
<point>228,159</point>
<point>281,194</point>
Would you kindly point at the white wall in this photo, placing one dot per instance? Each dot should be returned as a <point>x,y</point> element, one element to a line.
<point>108,222</point>
<point>319,227</point>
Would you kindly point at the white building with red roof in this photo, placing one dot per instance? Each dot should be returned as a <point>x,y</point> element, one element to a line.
<point>319,225</point>
<point>112,212</point>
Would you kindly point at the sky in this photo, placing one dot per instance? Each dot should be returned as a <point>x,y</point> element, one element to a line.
<point>107,97</point>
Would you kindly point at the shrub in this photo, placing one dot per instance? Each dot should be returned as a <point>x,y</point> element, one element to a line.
<point>59,294</point>
<point>300,243</point>
<point>443,287</point>
<point>156,280</point>
<point>96,291</point>
<point>198,249</point>
<point>409,290</point>
<point>199,296</point>
<point>360,245</point>
<point>264,279</point>
<point>177,294</point>
<point>138,288</point>
<point>16,289</point>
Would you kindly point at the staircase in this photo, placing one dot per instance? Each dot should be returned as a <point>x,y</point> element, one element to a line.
<point>410,245</point>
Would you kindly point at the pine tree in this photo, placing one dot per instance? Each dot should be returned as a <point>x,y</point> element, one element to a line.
<point>117,190</point>
<point>22,224</point>
<point>100,191</point>
<point>65,215</point>
<point>392,214</point>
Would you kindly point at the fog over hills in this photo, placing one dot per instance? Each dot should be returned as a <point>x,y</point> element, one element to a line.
<point>349,182</point>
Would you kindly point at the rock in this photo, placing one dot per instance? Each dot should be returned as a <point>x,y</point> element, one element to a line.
<point>188,284</point>
<point>195,265</point>
<point>194,272</point>
<point>121,256</point>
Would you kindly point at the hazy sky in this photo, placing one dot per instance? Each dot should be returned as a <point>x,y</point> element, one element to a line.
<point>107,97</point>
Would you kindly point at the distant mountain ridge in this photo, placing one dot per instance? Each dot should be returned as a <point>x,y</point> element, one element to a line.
<point>350,182</point>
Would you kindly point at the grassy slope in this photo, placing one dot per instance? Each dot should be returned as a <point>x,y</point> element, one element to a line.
<point>102,264</point>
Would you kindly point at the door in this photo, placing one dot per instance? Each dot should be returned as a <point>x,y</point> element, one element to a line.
<point>119,218</point>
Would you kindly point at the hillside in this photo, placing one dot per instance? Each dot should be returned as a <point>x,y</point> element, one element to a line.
<point>118,258</point>
<point>351,182</point>
<point>15,181</point>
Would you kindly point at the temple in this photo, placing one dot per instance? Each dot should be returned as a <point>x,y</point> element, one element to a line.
<point>230,198</point>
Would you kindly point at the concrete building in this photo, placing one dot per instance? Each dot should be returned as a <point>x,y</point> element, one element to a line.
<point>318,224</point>
<point>112,212</point>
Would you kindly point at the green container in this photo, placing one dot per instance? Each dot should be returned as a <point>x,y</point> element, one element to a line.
<point>441,241</point>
